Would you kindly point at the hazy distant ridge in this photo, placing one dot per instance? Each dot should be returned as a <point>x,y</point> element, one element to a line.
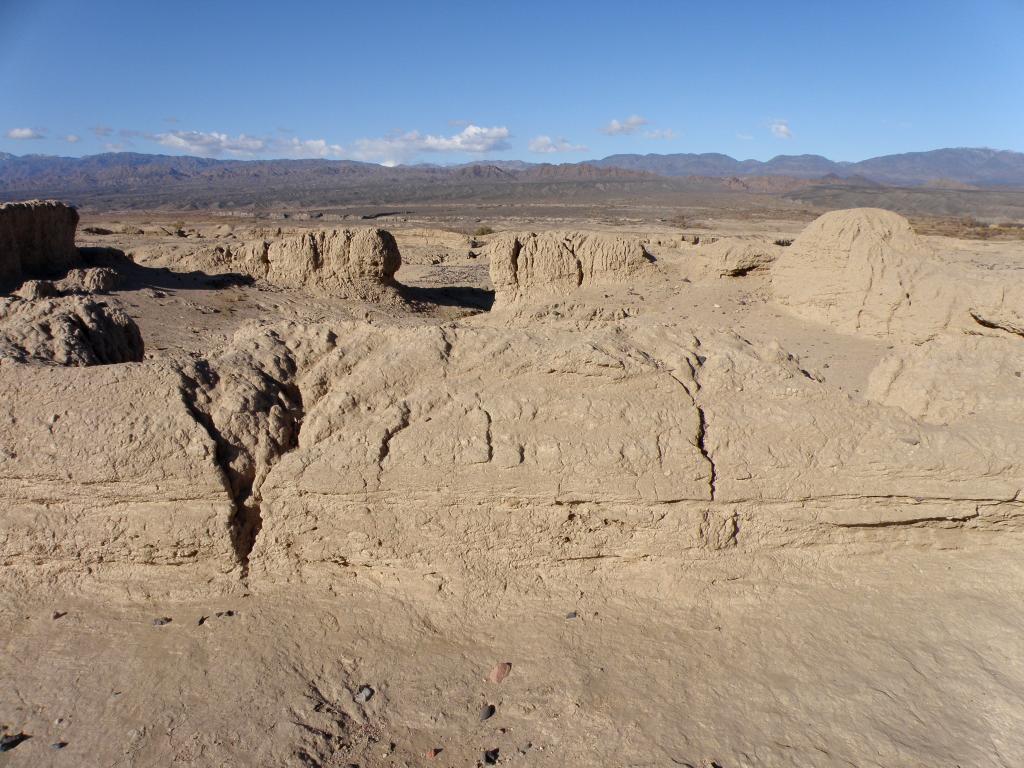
<point>205,181</point>
<point>981,167</point>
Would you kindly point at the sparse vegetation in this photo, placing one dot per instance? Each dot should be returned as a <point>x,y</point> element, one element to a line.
<point>969,228</point>
<point>482,231</point>
<point>784,242</point>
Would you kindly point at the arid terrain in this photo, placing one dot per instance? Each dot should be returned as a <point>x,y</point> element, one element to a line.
<point>698,478</point>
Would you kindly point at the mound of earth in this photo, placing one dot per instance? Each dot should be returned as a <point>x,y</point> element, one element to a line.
<point>865,271</point>
<point>529,267</point>
<point>37,239</point>
<point>67,330</point>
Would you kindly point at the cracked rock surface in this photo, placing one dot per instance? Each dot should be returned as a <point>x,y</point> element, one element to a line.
<point>780,499</point>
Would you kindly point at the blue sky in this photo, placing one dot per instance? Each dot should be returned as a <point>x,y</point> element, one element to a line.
<point>556,82</point>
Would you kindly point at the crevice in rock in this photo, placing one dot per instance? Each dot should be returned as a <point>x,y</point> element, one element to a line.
<point>702,427</point>
<point>700,439</point>
<point>389,433</point>
<point>913,522</point>
<point>247,443</point>
<point>996,325</point>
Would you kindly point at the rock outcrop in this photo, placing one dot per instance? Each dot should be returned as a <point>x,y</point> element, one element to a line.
<point>338,445</point>
<point>247,399</point>
<point>76,281</point>
<point>956,379</point>
<point>864,271</point>
<point>858,271</point>
<point>427,445</point>
<point>735,257</point>
<point>533,267</point>
<point>356,264</point>
<point>106,470</point>
<point>67,330</point>
<point>37,239</point>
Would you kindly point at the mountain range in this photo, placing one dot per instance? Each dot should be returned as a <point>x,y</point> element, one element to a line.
<point>140,180</point>
<point>973,166</point>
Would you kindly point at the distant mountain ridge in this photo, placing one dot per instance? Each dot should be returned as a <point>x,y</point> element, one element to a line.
<point>122,177</point>
<point>973,166</point>
<point>129,170</point>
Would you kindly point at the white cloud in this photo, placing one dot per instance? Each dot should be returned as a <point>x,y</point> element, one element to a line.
<point>314,148</point>
<point>780,129</point>
<point>210,144</point>
<point>666,134</point>
<point>630,125</point>
<point>24,133</point>
<point>102,131</point>
<point>71,138</point>
<point>547,145</point>
<point>473,139</point>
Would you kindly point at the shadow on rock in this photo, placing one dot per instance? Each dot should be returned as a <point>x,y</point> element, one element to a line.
<point>134,276</point>
<point>464,296</point>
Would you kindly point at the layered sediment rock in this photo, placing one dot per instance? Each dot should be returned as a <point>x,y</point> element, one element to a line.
<point>482,445</point>
<point>105,470</point>
<point>37,239</point>
<point>355,264</point>
<point>531,267</point>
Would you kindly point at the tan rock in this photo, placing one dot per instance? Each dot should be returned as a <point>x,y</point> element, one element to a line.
<point>37,239</point>
<point>553,264</point>
<point>105,469</point>
<point>735,257</point>
<point>67,330</point>
<point>864,271</point>
<point>357,264</point>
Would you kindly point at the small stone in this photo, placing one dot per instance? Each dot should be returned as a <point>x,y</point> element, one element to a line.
<point>491,756</point>
<point>161,621</point>
<point>11,740</point>
<point>500,672</point>
<point>487,712</point>
<point>58,745</point>
<point>432,753</point>
<point>202,620</point>
<point>364,694</point>
<point>571,615</point>
<point>59,614</point>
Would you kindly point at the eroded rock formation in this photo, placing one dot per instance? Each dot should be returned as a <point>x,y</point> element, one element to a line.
<point>67,330</point>
<point>735,257</point>
<point>864,271</point>
<point>355,264</point>
<point>37,239</point>
<point>553,264</point>
<point>478,443</point>
<point>106,470</point>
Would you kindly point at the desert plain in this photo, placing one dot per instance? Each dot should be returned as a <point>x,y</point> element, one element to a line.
<point>724,484</point>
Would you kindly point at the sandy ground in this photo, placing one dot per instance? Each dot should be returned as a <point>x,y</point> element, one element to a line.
<point>911,659</point>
